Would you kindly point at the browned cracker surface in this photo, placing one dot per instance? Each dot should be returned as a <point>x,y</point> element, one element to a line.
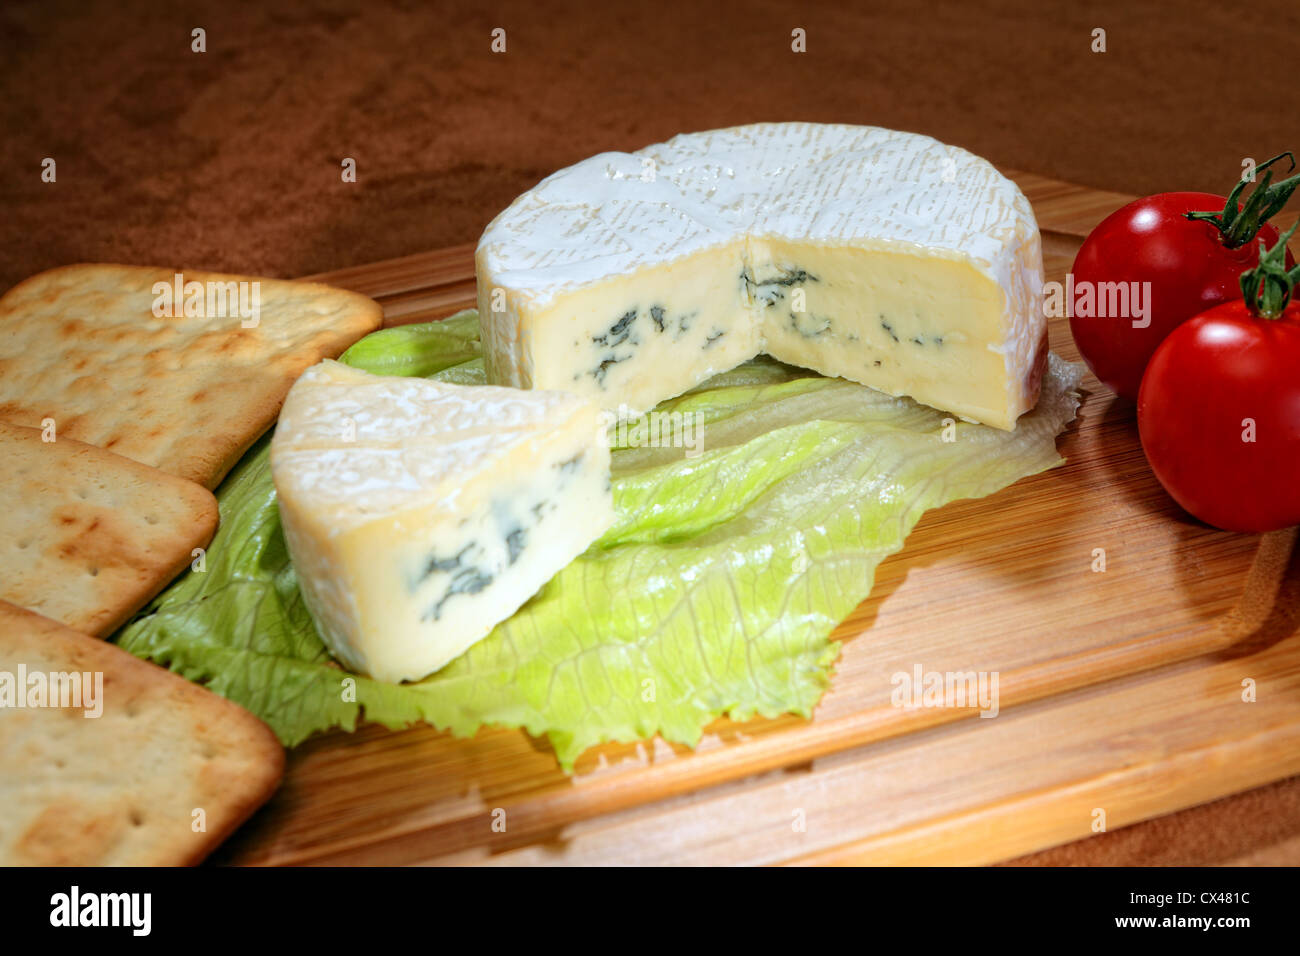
<point>87,536</point>
<point>187,394</point>
<point>162,776</point>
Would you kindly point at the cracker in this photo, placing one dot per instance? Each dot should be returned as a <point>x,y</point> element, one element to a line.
<point>121,788</point>
<point>81,345</point>
<point>87,536</point>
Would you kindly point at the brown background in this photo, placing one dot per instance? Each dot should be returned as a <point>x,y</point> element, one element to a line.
<point>230,159</point>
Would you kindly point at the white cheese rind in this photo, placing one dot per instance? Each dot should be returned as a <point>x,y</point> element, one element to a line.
<point>419,514</point>
<point>693,226</point>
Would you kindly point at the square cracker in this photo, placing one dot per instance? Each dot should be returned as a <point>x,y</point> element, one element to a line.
<point>87,536</point>
<point>121,788</point>
<point>81,345</point>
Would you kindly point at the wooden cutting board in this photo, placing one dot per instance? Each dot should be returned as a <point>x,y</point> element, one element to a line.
<point>1120,690</point>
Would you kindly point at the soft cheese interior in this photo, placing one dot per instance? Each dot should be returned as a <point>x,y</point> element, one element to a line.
<point>921,325</point>
<point>419,515</point>
<point>883,257</point>
<point>628,344</point>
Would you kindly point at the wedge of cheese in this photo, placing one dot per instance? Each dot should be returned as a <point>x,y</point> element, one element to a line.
<point>419,515</point>
<point>887,258</point>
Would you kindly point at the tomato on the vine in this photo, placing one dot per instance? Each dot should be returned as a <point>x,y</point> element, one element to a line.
<point>1192,258</point>
<point>1219,407</point>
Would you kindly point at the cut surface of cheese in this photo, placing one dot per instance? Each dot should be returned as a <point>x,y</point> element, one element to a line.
<point>420,514</point>
<point>883,257</point>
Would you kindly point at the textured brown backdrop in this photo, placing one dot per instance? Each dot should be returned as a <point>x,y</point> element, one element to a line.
<point>230,159</point>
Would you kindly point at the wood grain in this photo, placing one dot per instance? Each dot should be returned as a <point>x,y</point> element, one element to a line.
<point>1001,584</point>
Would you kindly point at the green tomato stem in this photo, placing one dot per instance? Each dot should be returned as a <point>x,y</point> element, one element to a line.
<point>1238,226</point>
<point>1268,287</point>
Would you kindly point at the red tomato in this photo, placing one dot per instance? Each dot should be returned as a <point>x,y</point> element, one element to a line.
<point>1219,416</point>
<point>1189,268</point>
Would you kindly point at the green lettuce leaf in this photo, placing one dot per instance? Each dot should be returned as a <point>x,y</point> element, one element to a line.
<point>714,592</point>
